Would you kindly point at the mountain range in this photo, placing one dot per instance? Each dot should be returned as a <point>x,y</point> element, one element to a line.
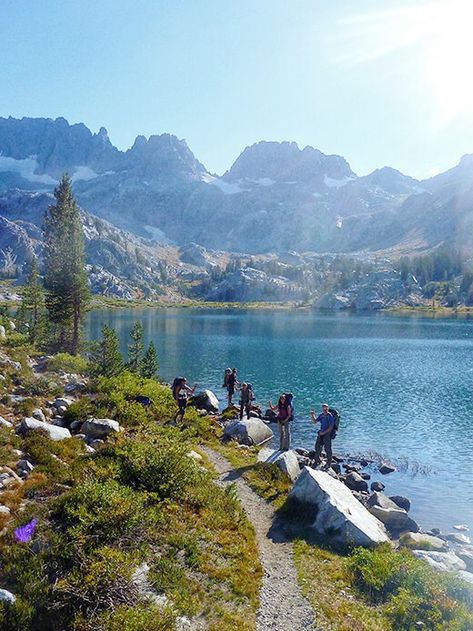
<point>276,197</point>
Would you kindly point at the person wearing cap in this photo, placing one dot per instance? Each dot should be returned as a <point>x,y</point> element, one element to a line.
<point>324,436</point>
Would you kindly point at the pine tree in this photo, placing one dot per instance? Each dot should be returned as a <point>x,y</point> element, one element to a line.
<point>150,365</point>
<point>65,280</point>
<point>135,349</point>
<point>32,310</point>
<point>106,356</point>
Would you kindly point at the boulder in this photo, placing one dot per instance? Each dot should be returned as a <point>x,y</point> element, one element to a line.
<point>4,422</point>
<point>443,561</point>
<point>377,486</point>
<point>24,467</point>
<point>386,468</point>
<point>193,455</point>
<point>401,501</point>
<point>270,415</point>
<point>250,431</point>
<point>99,427</point>
<point>394,518</point>
<point>461,527</point>
<point>466,555</point>
<point>2,332</point>
<point>39,415</point>
<point>287,461</point>
<point>422,541</point>
<point>336,513</point>
<point>61,402</point>
<point>4,510</point>
<point>355,482</point>
<point>204,400</point>
<point>7,597</point>
<point>29,424</point>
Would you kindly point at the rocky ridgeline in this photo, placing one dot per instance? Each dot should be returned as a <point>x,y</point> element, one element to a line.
<point>344,505</point>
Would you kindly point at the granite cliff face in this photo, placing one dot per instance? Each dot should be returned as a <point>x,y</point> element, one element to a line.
<point>276,196</point>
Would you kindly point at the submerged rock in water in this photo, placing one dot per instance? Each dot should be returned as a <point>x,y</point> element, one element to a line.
<point>337,514</point>
<point>386,468</point>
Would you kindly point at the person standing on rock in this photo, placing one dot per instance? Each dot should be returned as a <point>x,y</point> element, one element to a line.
<point>324,436</point>
<point>232,384</point>
<point>284,418</point>
<point>246,394</point>
<point>181,391</point>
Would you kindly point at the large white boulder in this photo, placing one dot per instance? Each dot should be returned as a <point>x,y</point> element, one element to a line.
<point>286,460</point>
<point>337,514</point>
<point>29,424</point>
<point>7,597</point>
<point>250,431</point>
<point>205,400</point>
<point>442,561</point>
<point>99,427</point>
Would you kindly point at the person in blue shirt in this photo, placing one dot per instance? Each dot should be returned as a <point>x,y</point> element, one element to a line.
<point>324,436</point>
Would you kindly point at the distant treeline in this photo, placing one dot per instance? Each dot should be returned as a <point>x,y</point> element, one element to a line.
<point>444,273</point>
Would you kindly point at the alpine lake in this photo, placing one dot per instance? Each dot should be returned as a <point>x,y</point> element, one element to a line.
<point>402,383</point>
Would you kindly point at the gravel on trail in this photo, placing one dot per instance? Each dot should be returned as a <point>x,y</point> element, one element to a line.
<point>282,605</point>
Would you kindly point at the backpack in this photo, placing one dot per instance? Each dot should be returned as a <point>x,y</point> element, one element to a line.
<point>226,374</point>
<point>290,402</point>
<point>250,391</point>
<point>336,421</point>
<point>176,384</point>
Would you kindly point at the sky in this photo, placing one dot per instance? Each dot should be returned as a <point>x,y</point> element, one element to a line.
<point>381,82</point>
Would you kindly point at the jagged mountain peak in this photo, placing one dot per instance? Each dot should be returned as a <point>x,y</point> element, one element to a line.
<point>392,181</point>
<point>286,162</point>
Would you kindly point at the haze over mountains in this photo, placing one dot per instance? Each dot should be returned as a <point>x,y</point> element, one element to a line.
<point>275,197</point>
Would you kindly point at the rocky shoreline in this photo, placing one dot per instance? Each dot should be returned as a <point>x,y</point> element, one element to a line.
<point>449,552</point>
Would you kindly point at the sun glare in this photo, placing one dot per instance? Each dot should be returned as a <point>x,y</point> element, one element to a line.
<point>438,35</point>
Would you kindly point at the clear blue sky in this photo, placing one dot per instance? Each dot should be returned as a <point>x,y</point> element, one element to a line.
<point>381,83</point>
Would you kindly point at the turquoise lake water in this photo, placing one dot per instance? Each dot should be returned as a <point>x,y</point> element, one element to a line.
<point>403,384</point>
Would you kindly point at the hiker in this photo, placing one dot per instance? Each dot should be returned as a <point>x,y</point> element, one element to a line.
<point>284,418</point>
<point>226,374</point>
<point>246,397</point>
<point>180,392</point>
<point>232,384</point>
<point>324,436</point>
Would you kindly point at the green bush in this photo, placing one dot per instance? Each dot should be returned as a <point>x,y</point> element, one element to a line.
<point>411,591</point>
<point>118,394</point>
<point>41,386</point>
<point>68,363</point>
<point>100,513</point>
<point>161,467</point>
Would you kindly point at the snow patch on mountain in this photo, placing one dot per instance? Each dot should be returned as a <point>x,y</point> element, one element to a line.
<point>334,183</point>
<point>26,169</point>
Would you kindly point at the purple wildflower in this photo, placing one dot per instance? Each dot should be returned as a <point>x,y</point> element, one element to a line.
<point>24,533</point>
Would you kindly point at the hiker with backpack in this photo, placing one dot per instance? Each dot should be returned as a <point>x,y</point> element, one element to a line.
<point>231,383</point>
<point>285,412</point>
<point>180,392</point>
<point>325,434</point>
<point>246,397</point>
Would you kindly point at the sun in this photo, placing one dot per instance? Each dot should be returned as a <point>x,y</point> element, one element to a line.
<point>438,35</point>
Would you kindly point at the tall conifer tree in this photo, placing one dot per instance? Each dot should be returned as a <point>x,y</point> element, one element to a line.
<point>65,280</point>
<point>106,355</point>
<point>135,349</point>
<point>150,365</point>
